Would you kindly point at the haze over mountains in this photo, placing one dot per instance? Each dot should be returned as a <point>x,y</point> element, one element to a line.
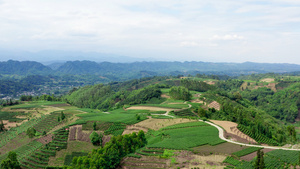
<point>154,68</point>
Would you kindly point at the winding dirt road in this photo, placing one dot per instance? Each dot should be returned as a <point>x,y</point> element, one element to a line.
<point>221,136</point>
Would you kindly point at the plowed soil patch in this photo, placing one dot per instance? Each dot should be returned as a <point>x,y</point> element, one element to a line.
<point>133,128</point>
<point>156,124</point>
<point>224,149</point>
<point>231,128</point>
<point>268,80</point>
<point>249,157</point>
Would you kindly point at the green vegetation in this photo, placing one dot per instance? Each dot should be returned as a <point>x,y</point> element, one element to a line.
<point>10,162</point>
<point>184,136</point>
<point>31,132</point>
<point>246,151</point>
<point>96,139</point>
<point>180,93</point>
<point>110,155</point>
<point>185,125</point>
<point>115,129</point>
<point>196,85</point>
<point>118,115</point>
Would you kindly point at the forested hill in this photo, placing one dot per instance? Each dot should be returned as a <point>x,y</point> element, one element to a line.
<point>24,68</point>
<point>142,69</point>
<point>89,67</point>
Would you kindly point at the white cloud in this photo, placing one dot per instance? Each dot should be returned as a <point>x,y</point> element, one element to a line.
<point>227,37</point>
<point>153,28</point>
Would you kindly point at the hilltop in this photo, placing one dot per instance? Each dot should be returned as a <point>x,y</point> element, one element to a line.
<point>177,120</point>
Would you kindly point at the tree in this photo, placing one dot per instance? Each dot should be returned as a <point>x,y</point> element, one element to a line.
<point>259,163</point>
<point>95,126</point>
<point>95,139</point>
<point>10,162</point>
<point>180,93</point>
<point>31,132</point>
<point>2,128</point>
<point>62,116</point>
<point>138,117</point>
<point>201,112</point>
<point>100,139</point>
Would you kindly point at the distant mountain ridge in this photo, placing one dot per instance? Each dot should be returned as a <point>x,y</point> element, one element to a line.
<point>24,68</point>
<point>90,67</point>
<point>148,68</point>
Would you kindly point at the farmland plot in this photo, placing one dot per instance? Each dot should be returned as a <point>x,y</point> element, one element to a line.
<point>185,138</point>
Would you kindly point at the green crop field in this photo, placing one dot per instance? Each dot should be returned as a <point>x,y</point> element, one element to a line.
<point>185,125</point>
<point>172,106</point>
<point>185,138</point>
<point>246,151</point>
<point>118,115</point>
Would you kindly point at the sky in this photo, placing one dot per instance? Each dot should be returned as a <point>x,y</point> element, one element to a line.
<point>190,30</point>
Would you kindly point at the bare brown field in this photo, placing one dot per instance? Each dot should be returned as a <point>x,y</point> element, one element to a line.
<point>211,161</point>
<point>184,160</point>
<point>132,128</point>
<point>9,125</point>
<point>210,82</point>
<point>249,157</point>
<point>215,105</point>
<point>156,124</point>
<point>221,149</point>
<point>231,128</point>
<point>244,86</point>
<point>149,108</point>
<point>197,101</point>
<point>268,80</point>
<point>165,96</point>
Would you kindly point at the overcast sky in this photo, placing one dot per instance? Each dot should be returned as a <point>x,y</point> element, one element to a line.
<point>183,30</point>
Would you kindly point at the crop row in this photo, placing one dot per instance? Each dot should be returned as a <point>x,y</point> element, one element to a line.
<point>5,137</point>
<point>185,125</point>
<point>24,150</point>
<point>69,158</point>
<point>115,129</point>
<point>232,161</point>
<point>185,138</point>
<point>184,113</point>
<point>246,151</point>
<point>40,158</point>
<point>257,137</point>
<point>48,123</point>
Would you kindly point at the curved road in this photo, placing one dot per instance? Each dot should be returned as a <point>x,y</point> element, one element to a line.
<point>221,135</point>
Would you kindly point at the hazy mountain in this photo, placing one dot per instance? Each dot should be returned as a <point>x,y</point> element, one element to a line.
<point>88,67</point>
<point>48,57</point>
<point>24,68</point>
<point>141,68</point>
